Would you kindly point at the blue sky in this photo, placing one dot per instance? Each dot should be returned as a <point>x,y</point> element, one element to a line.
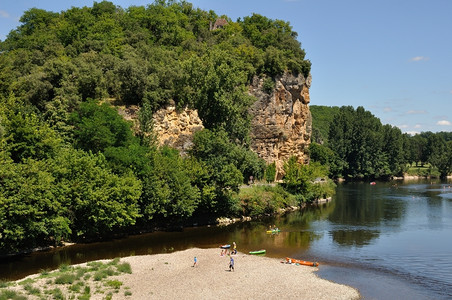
<point>393,57</point>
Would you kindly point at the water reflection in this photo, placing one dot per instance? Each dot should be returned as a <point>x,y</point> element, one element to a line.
<point>399,233</point>
<point>354,237</point>
<point>365,209</point>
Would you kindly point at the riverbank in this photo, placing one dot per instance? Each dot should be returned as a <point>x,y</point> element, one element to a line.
<point>173,276</point>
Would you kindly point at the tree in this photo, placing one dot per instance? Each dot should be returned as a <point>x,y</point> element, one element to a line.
<point>168,189</point>
<point>325,156</point>
<point>303,180</point>
<point>440,155</point>
<point>393,150</point>
<point>26,134</point>
<point>419,146</point>
<point>322,117</point>
<point>270,172</point>
<point>31,211</point>
<point>97,127</point>
<point>357,139</point>
<point>98,201</point>
<point>218,88</point>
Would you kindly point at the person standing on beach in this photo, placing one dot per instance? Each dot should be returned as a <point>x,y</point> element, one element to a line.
<point>231,264</point>
<point>196,261</point>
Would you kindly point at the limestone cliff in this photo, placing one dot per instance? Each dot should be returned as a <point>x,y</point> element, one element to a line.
<point>280,128</point>
<point>281,121</point>
<point>176,128</point>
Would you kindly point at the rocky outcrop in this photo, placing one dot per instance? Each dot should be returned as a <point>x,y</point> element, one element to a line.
<point>281,121</point>
<point>176,128</point>
<point>280,127</point>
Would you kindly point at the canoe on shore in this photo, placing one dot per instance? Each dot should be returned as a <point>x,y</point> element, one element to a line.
<point>301,262</point>
<point>258,252</point>
<point>225,246</point>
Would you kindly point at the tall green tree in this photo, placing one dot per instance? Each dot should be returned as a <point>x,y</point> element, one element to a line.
<point>99,126</point>
<point>168,190</point>
<point>98,201</point>
<point>31,211</point>
<point>358,138</point>
<point>439,154</point>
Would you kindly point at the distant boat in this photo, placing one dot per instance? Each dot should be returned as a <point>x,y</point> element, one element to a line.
<point>258,252</point>
<point>373,183</point>
<point>273,231</point>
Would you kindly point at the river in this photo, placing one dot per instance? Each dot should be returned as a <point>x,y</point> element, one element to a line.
<point>390,241</point>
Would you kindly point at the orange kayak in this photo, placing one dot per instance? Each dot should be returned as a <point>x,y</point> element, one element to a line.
<point>301,262</point>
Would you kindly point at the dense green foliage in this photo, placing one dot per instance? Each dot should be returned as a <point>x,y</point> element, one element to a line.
<point>259,200</point>
<point>322,117</point>
<point>358,146</point>
<point>71,168</point>
<point>308,182</point>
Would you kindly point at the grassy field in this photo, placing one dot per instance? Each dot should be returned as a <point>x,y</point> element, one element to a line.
<point>423,171</point>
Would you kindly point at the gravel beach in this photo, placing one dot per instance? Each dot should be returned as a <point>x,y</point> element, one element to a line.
<point>174,276</point>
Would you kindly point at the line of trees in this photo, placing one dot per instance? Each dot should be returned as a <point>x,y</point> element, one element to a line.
<point>357,146</point>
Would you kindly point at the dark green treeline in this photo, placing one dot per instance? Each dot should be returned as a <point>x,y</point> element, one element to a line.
<point>355,145</point>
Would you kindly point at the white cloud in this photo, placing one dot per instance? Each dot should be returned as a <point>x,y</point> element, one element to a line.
<point>4,14</point>
<point>419,58</point>
<point>403,126</point>
<point>416,112</point>
<point>413,132</point>
<point>387,109</point>
<point>444,123</point>
<point>418,126</point>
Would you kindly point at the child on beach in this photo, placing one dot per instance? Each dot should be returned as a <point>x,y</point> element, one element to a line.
<point>234,249</point>
<point>196,260</point>
<point>231,264</point>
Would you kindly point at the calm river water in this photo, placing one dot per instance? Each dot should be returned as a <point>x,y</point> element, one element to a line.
<point>389,241</point>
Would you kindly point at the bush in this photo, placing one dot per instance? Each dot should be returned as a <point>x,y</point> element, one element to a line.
<point>32,290</point>
<point>269,85</point>
<point>116,284</point>
<point>124,268</point>
<point>270,172</point>
<point>104,273</point>
<point>260,200</point>
<point>65,279</point>
<point>9,294</point>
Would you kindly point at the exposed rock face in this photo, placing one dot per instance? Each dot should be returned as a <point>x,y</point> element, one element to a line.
<point>282,122</point>
<point>280,128</point>
<point>176,128</point>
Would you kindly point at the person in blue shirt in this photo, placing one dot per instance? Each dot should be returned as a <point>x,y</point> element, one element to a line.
<point>231,264</point>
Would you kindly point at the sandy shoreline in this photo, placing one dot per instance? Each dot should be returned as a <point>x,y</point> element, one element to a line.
<point>172,276</point>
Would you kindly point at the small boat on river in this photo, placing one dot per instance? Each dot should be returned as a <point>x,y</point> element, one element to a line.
<point>263,251</point>
<point>273,231</point>
<point>301,262</point>
<point>225,246</point>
